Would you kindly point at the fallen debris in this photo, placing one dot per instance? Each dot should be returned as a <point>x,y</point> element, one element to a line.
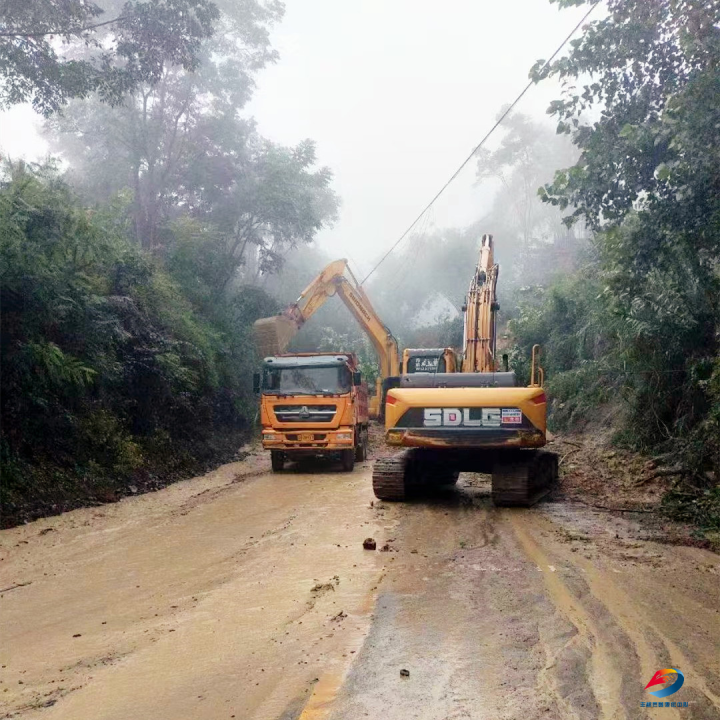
<point>369,544</point>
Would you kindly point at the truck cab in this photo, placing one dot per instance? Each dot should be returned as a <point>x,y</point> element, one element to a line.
<point>313,404</point>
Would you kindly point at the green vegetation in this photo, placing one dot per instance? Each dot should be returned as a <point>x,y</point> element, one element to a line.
<point>131,274</point>
<point>125,44</point>
<point>639,325</point>
<point>112,377</point>
<point>131,278</point>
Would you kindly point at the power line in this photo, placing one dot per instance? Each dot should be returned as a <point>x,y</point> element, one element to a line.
<point>62,32</point>
<point>481,143</point>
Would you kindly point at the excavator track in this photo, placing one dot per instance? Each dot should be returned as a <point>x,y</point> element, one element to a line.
<point>389,477</point>
<point>524,478</point>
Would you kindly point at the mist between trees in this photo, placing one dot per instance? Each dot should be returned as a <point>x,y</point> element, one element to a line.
<point>132,272</point>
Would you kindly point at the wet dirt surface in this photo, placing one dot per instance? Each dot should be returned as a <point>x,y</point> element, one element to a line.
<point>553,612</point>
<point>249,595</point>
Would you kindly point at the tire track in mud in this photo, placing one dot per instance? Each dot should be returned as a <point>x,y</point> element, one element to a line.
<point>459,612</point>
<point>510,613</point>
<point>653,646</point>
<point>611,629</point>
<point>609,653</point>
<point>215,599</point>
<point>541,614</point>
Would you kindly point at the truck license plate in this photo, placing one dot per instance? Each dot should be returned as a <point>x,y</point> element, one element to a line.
<point>306,437</point>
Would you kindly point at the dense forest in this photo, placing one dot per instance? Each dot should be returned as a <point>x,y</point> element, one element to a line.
<point>133,267</point>
<point>130,267</point>
<point>638,325</point>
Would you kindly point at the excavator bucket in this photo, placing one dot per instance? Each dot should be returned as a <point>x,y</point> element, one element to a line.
<point>272,335</point>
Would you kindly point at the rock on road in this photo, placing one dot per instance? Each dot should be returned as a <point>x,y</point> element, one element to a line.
<point>248,595</point>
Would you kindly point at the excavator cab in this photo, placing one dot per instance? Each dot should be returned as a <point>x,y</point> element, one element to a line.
<point>429,360</point>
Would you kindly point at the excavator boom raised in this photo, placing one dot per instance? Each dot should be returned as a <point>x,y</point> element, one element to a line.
<point>479,337</point>
<point>273,334</point>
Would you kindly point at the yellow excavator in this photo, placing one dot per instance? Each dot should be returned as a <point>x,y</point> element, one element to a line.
<point>476,420</point>
<point>273,334</point>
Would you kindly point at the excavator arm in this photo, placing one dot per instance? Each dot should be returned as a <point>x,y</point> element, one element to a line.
<point>480,313</point>
<point>382,339</point>
<point>273,335</point>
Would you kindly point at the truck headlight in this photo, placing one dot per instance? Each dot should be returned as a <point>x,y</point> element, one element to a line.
<point>344,436</point>
<point>270,437</point>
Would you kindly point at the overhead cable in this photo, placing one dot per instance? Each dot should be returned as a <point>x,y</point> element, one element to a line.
<point>481,143</point>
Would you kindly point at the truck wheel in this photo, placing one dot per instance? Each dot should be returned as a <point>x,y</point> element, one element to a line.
<point>277,460</point>
<point>348,460</point>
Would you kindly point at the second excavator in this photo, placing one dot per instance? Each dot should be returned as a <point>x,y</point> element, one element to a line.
<point>273,334</point>
<point>476,420</point>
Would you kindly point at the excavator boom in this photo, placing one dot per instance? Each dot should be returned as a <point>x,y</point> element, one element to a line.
<point>273,334</point>
<point>479,337</point>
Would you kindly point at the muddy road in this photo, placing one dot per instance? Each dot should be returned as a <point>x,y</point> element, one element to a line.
<point>248,595</point>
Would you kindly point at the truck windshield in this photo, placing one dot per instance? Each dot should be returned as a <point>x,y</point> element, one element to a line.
<point>307,380</point>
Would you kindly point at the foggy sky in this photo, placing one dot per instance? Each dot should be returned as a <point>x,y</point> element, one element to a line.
<point>395,93</point>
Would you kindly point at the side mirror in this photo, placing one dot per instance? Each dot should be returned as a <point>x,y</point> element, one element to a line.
<point>256,383</point>
<point>357,378</point>
<point>506,364</point>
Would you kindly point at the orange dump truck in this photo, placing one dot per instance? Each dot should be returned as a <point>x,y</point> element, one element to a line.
<point>313,404</point>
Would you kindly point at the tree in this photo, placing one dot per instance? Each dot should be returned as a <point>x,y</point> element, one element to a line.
<point>40,60</point>
<point>271,200</point>
<point>531,236</point>
<point>181,148</point>
<point>111,373</point>
<point>656,81</point>
<point>641,91</point>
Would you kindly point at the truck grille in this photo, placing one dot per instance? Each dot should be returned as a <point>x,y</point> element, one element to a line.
<point>305,413</point>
